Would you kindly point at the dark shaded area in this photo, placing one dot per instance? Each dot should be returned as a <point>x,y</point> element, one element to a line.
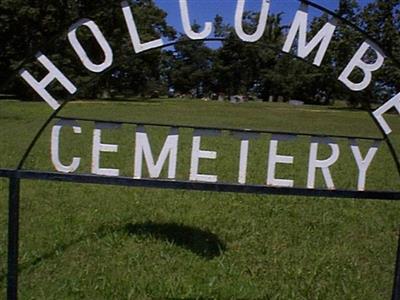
<point>201,242</point>
<point>198,241</point>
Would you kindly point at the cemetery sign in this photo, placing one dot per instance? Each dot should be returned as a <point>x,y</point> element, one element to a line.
<point>297,43</point>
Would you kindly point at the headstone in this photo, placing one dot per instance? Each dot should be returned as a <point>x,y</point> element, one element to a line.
<point>296,102</point>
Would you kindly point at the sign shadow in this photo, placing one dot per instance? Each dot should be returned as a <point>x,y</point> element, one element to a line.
<point>202,243</point>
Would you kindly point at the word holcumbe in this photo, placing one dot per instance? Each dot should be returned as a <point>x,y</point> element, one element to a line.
<point>298,31</point>
<point>169,155</point>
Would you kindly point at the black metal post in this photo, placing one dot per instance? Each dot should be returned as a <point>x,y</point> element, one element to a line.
<point>13,237</point>
<point>396,281</point>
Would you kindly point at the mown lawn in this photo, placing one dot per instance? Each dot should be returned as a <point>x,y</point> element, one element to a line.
<point>102,242</point>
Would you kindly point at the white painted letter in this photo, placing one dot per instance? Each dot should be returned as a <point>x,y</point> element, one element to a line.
<point>188,28</point>
<point>314,163</point>
<point>274,158</point>
<point>40,86</point>
<point>73,39</point>
<point>197,154</point>
<point>130,22</point>
<point>363,164</point>
<point>366,68</point>
<point>55,145</point>
<point>378,114</point>
<point>244,152</point>
<point>323,37</point>
<point>142,146</point>
<point>99,147</point>
<point>262,22</point>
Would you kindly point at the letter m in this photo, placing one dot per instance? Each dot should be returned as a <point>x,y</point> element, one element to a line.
<point>142,148</point>
<point>299,26</point>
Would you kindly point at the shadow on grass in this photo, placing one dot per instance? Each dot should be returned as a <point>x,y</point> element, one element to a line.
<point>202,243</point>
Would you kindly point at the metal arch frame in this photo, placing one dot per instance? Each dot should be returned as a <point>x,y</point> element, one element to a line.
<point>15,175</point>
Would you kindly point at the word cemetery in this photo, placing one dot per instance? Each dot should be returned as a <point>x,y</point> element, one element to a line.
<point>170,153</point>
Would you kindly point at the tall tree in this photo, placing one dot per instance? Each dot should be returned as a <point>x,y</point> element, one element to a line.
<point>192,66</point>
<point>29,26</point>
<point>381,20</point>
<point>244,67</point>
<point>345,43</point>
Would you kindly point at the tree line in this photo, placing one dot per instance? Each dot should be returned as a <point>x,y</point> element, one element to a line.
<point>255,70</point>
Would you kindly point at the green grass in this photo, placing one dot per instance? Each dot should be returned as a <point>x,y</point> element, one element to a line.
<point>102,242</point>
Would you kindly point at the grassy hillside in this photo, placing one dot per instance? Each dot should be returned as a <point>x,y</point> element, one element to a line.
<point>97,242</point>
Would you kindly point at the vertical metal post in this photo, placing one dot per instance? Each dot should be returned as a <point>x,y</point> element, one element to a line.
<point>396,281</point>
<point>13,237</point>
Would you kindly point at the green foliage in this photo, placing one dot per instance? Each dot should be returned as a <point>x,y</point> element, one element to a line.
<point>30,26</point>
<point>381,20</point>
<point>193,67</point>
<point>239,67</point>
